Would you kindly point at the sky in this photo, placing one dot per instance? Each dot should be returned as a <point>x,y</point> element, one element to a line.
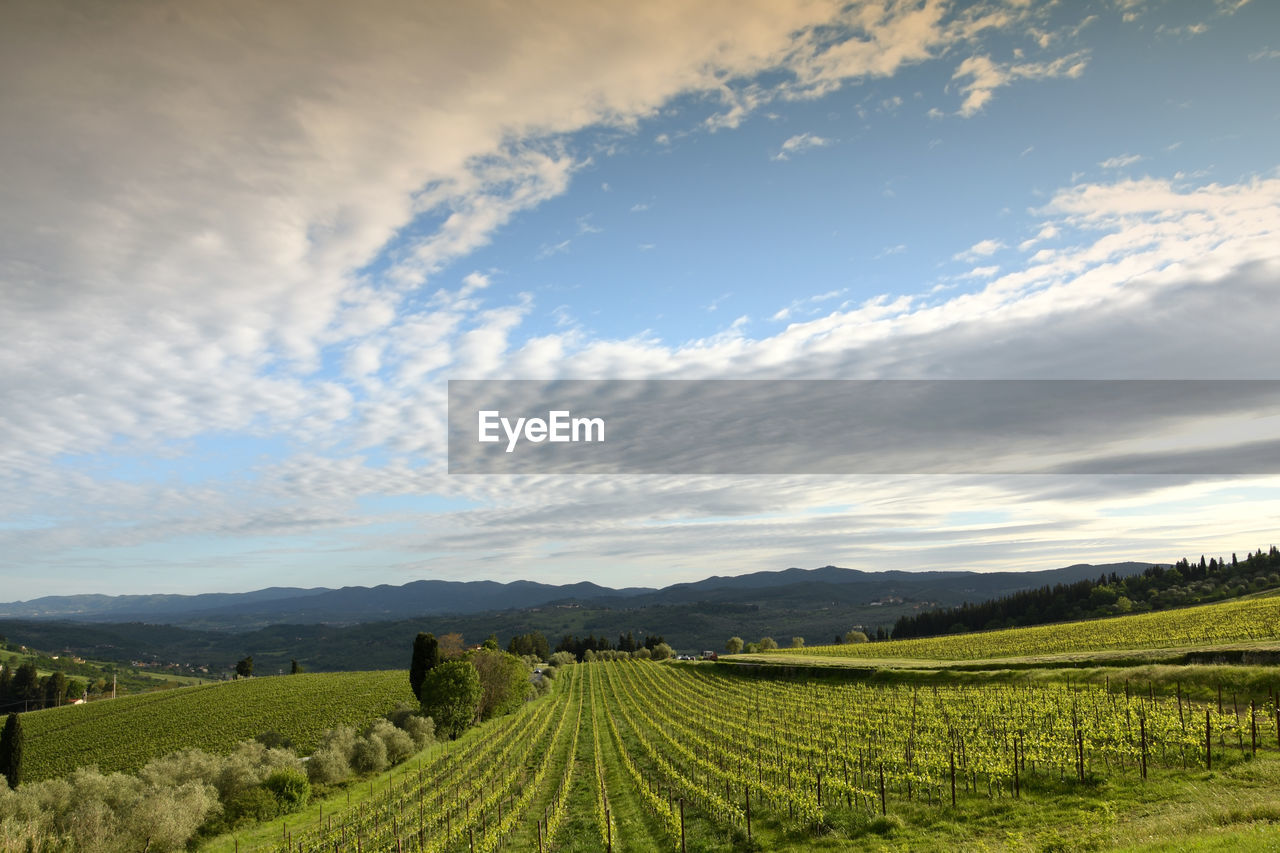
<point>244,247</point>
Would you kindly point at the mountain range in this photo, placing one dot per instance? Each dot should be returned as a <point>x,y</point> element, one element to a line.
<point>789,589</point>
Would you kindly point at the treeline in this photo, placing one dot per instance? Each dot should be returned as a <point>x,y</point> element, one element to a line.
<point>579,646</point>
<point>22,688</point>
<point>1157,588</point>
<point>458,688</point>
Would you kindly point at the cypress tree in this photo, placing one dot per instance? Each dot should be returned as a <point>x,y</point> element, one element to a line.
<point>11,750</point>
<point>426,654</point>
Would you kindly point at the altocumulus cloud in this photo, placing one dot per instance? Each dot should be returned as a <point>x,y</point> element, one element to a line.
<point>207,234</point>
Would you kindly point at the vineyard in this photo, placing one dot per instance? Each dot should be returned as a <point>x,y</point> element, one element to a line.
<point>1242,620</point>
<point>632,755</point>
<point>125,733</point>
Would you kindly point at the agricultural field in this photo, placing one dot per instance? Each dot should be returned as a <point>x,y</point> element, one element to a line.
<point>98,675</point>
<point>125,733</point>
<point>635,755</point>
<point>1237,621</point>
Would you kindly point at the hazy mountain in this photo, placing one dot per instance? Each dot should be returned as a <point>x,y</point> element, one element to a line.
<point>796,589</point>
<point>348,605</point>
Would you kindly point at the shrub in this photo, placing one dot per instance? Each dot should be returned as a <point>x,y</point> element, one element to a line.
<point>290,789</point>
<point>341,739</point>
<point>421,729</point>
<point>251,804</point>
<point>369,756</point>
<point>177,768</point>
<point>328,766</point>
<point>396,743</point>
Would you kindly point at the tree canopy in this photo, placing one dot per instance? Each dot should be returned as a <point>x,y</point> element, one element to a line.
<point>451,696</point>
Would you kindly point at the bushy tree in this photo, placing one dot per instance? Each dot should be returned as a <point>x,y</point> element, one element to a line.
<point>369,756</point>
<point>179,768</point>
<point>248,765</point>
<point>562,658</point>
<point>768,644</point>
<point>662,651</point>
<point>328,766</point>
<point>26,684</point>
<point>249,806</point>
<point>734,646</point>
<point>855,636</point>
<point>421,729</point>
<point>244,666</point>
<point>451,646</point>
<point>395,742</point>
<point>504,682</point>
<point>54,689</point>
<point>451,695</point>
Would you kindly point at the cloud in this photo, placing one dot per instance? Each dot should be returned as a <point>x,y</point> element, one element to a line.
<point>1121,161</point>
<point>558,248</point>
<point>1046,232</point>
<point>981,249</point>
<point>983,76</point>
<point>225,215</point>
<point>808,304</point>
<point>265,238</point>
<point>800,142</point>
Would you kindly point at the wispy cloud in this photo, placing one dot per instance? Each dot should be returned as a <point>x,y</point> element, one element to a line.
<point>554,249</point>
<point>808,305</point>
<point>1121,161</point>
<point>800,142</point>
<point>981,249</point>
<point>981,76</point>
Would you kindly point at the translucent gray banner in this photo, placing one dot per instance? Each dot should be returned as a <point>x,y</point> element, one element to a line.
<point>1191,427</point>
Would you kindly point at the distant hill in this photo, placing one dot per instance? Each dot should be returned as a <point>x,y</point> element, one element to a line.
<point>833,585</point>
<point>792,588</point>
<point>349,605</point>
